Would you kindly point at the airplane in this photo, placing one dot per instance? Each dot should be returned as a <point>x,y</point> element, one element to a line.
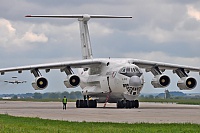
<point>107,80</point>
<point>14,81</point>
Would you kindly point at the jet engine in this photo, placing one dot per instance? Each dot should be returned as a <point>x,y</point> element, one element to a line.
<point>160,81</point>
<point>72,81</point>
<point>187,83</point>
<point>40,83</point>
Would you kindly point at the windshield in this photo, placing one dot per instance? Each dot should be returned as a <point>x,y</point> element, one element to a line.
<point>129,70</point>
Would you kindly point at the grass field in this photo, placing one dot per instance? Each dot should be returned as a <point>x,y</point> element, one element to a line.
<point>11,124</point>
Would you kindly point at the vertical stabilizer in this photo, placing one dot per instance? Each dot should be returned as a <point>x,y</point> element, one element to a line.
<point>85,37</point>
<point>84,32</point>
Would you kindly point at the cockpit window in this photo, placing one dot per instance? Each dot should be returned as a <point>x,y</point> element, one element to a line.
<point>123,70</point>
<point>129,70</point>
<point>137,70</point>
<point>132,69</point>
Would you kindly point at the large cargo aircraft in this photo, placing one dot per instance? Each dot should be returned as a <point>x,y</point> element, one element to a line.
<point>15,81</point>
<point>113,80</point>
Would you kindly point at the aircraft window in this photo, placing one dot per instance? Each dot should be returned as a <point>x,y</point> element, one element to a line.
<point>85,69</point>
<point>123,70</point>
<point>132,69</point>
<point>137,70</point>
<point>128,70</point>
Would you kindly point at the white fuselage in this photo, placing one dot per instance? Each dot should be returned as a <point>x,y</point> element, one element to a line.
<point>113,76</point>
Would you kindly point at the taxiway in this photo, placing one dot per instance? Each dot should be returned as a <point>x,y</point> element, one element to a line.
<point>147,112</point>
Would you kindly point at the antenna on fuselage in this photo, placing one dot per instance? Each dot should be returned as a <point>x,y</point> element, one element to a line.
<point>84,32</point>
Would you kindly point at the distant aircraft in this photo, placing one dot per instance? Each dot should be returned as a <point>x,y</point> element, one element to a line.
<point>14,81</point>
<point>114,80</point>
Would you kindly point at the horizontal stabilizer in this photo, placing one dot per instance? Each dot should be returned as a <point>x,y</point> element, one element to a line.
<point>78,16</point>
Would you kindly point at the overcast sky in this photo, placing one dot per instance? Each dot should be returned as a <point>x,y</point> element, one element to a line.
<point>167,31</point>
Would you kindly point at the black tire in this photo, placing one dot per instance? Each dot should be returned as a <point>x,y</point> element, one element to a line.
<point>136,104</point>
<point>133,104</point>
<point>82,103</point>
<point>77,103</point>
<point>85,105</point>
<point>127,105</point>
<point>123,104</point>
<point>120,104</point>
<point>89,103</point>
<point>95,103</point>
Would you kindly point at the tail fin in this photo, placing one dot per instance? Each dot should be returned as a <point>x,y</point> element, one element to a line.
<point>85,37</point>
<point>84,32</point>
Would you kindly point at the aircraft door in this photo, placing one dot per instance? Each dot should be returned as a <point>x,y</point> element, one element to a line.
<point>104,84</point>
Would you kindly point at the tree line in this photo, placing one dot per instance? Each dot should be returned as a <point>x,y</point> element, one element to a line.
<point>47,95</point>
<point>58,95</point>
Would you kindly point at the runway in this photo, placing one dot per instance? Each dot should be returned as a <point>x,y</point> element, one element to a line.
<point>147,112</point>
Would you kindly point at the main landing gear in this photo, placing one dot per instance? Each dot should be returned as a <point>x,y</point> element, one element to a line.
<point>86,103</point>
<point>128,104</point>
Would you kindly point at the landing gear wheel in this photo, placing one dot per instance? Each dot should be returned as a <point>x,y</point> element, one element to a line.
<point>136,104</point>
<point>92,103</point>
<point>133,104</point>
<point>120,104</point>
<point>77,103</point>
<point>128,104</point>
<point>86,103</point>
<point>81,103</point>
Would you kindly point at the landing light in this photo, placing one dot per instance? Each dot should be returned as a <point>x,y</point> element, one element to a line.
<point>41,83</point>
<point>163,80</point>
<point>189,82</point>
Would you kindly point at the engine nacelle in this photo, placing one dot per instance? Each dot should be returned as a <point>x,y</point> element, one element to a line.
<point>160,81</point>
<point>40,83</point>
<point>72,81</point>
<point>187,83</point>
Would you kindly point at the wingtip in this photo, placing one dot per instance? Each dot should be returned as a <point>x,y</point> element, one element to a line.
<point>28,16</point>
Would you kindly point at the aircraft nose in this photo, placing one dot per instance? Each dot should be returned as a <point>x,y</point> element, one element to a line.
<point>135,81</point>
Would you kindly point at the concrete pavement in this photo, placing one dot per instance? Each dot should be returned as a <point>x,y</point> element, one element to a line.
<point>147,112</point>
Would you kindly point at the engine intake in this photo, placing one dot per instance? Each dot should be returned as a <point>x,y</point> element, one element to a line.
<point>160,81</point>
<point>40,83</point>
<point>72,81</point>
<point>187,83</point>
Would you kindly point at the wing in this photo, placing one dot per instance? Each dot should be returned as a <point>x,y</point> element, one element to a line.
<point>61,65</point>
<point>9,81</point>
<point>148,65</point>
